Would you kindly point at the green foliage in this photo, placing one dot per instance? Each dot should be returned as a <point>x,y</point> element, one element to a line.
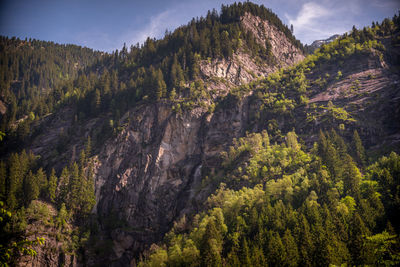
<point>385,249</point>
<point>12,244</point>
<point>280,205</point>
<point>31,70</point>
<point>386,172</point>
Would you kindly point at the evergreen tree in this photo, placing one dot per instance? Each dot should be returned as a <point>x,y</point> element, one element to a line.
<point>3,174</point>
<point>358,150</point>
<point>357,246</point>
<point>31,188</point>
<point>351,178</point>
<point>276,250</point>
<point>245,253</point>
<point>52,187</point>
<point>64,192</point>
<point>291,252</point>
<point>176,75</point>
<point>75,187</point>
<point>161,87</point>
<point>42,181</point>
<point>210,250</point>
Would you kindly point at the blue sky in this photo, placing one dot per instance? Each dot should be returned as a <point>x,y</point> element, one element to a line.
<point>106,25</point>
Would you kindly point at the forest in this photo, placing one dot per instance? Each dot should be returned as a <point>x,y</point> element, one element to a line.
<point>275,200</point>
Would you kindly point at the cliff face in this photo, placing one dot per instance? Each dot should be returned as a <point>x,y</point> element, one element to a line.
<point>284,51</point>
<point>151,173</point>
<point>148,175</point>
<point>368,87</point>
<point>243,68</point>
<point>57,249</point>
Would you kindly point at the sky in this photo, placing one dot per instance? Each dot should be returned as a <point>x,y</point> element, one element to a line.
<point>106,25</point>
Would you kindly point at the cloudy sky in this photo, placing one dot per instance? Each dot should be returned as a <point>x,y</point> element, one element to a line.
<point>106,25</point>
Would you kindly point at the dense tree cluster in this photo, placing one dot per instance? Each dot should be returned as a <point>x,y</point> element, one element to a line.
<point>281,205</point>
<point>21,181</point>
<point>30,70</point>
<point>233,13</point>
<point>39,77</point>
<point>277,202</point>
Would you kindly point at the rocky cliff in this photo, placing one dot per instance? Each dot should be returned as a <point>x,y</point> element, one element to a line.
<point>152,170</point>
<point>149,174</point>
<point>243,68</point>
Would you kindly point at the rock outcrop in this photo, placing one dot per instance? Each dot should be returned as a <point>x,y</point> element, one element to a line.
<point>243,68</point>
<point>146,176</point>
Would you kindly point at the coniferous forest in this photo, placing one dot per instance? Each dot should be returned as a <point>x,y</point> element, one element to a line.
<point>297,167</point>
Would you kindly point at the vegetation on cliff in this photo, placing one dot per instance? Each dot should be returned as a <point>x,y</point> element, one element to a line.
<point>281,205</point>
<point>276,199</point>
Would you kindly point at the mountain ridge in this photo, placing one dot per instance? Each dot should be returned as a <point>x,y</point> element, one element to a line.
<point>160,150</point>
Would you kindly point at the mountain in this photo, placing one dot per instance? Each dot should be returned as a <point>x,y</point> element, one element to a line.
<point>221,144</point>
<point>318,43</point>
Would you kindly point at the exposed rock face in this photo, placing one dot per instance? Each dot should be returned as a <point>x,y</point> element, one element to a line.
<point>51,253</point>
<point>242,68</point>
<point>3,108</point>
<point>147,174</point>
<point>238,70</point>
<point>284,51</point>
<point>369,89</point>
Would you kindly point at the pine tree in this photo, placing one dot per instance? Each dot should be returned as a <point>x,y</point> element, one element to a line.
<point>304,241</point>
<point>52,186</point>
<point>358,150</point>
<point>42,181</point>
<point>75,188</point>
<point>64,193</point>
<point>176,74</point>
<point>276,250</point>
<point>3,179</point>
<point>227,45</point>
<point>357,246</point>
<point>62,217</point>
<point>210,249</point>
<point>88,197</point>
<point>88,147</point>
<point>351,178</point>
<point>245,253</point>
<point>161,87</point>
<point>292,254</point>
<point>31,188</point>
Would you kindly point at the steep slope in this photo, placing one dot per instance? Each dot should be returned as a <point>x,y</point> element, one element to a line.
<point>242,68</point>
<point>153,127</point>
<point>149,160</point>
<point>279,204</point>
<point>156,169</point>
<point>31,71</point>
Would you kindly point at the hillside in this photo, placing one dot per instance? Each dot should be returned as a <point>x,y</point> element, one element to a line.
<point>187,152</point>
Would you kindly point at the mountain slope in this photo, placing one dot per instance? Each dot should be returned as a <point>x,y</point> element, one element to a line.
<point>159,128</point>
<point>171,155</point>
<point>281,203</point>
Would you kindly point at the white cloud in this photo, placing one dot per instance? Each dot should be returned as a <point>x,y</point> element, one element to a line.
<point>157,26</point>
<point>315,21</point>
<point>308,14</point>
